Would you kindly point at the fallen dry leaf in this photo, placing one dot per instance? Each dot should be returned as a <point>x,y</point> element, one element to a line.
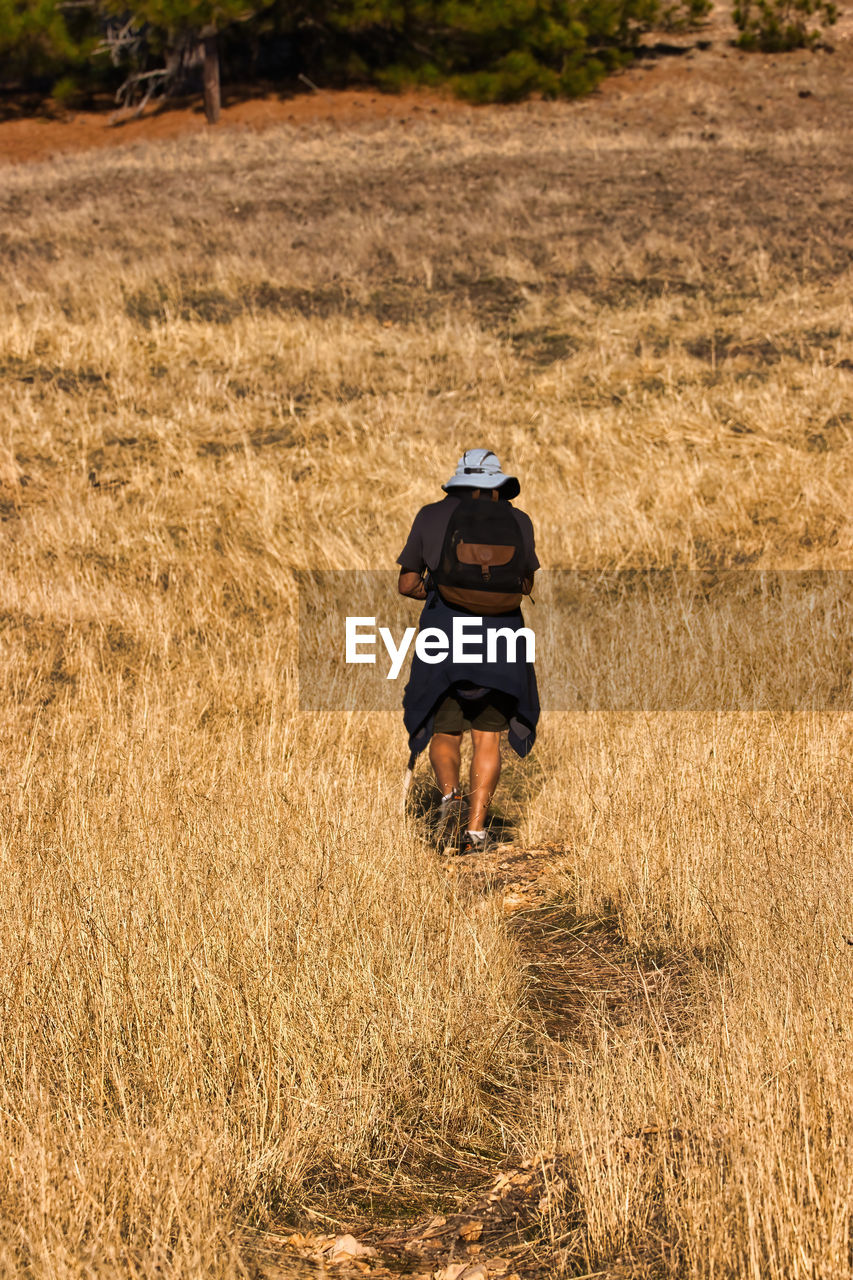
<point>453,1272</point>
<point>345,1248</point>
<point>471,1230</point>
<point>463,1271</point>
<point>536,1162</point>
<point>301,1241</point>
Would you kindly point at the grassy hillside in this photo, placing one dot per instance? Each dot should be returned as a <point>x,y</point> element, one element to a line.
<point>235,990</point>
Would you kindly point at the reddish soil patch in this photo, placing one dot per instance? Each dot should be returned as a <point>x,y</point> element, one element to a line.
<point>40,137</point>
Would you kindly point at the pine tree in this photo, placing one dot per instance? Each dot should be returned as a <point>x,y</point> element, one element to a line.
<point>499,50</point>
<point>191,24</point>
<point>779,25</point>
<point>37,40</point>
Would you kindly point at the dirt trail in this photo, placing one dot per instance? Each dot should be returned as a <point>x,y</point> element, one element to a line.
<point>494,1229</point>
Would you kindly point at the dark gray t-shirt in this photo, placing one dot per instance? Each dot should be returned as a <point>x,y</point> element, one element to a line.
<point>424,543</point>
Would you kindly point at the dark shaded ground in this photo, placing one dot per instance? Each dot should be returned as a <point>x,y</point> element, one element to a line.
<point>691,227</point>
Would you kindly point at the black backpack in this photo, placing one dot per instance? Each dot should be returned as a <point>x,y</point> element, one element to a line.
<point>482,559</point>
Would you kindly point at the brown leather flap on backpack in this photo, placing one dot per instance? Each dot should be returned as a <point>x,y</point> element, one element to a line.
<point>487,603</point>
<point>483,553</point>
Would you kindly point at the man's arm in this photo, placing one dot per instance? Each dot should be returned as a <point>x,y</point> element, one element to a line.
<point>411,584</point>
<point>530,550</point>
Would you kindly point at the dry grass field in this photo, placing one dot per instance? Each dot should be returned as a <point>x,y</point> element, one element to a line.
<point>238,995</point>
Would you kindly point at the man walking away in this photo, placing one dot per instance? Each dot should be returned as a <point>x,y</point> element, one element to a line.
<point>470,555</point>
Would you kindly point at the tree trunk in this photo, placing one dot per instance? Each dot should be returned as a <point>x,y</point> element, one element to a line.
<point>212,98</point>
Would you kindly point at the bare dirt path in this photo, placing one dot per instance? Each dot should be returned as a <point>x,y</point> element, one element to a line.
<point>494,1228</point>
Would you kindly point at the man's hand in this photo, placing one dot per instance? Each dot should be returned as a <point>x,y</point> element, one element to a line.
<point>411,584</point>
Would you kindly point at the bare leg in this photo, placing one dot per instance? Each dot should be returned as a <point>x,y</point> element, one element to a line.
<point>445,750</point>
<point>485,772</point>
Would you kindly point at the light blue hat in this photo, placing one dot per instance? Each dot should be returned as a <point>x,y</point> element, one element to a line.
<point>480,469</point>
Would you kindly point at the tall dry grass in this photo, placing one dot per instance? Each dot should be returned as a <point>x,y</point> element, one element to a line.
<point>234,988</point>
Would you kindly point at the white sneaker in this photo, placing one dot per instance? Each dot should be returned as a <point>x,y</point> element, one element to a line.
<point>474,842</point>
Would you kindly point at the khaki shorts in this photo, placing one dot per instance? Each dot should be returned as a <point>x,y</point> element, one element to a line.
<point>491,712</point>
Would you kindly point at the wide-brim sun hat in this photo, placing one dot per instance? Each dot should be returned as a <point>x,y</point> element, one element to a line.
<point>480,469</point>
